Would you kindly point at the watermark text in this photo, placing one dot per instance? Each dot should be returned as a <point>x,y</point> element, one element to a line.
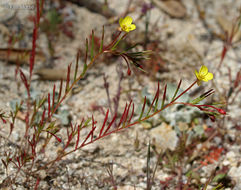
<point>16,4</point>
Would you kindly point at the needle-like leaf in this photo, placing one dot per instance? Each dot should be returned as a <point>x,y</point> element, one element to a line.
<point>164,96</point>
<point>92,45</point>
<point>143,109</point>
<point>178,87</point>
<point>102,39</point>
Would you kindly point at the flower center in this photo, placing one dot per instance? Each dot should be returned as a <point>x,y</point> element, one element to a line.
<point>124,27</point>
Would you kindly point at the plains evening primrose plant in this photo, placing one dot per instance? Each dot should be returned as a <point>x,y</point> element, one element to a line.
<point>27,158</point>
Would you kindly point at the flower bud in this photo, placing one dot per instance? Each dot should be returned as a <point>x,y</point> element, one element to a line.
<point>4,121</point>
<point>129,71</point>
<point>221,111</point>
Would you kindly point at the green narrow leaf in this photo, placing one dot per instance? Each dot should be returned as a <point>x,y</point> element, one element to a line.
<point>86,57</point>
<point>87,122</point>
<point>164,96</point>
<point>197,100</point>
<point>218,187</point>
<point>41,102</point>
<point>102,39</point>
<point>178,87</point>
<point>157,99</point>
<point>86,50</point>
<point>143,109</point>
<point>130,49</point>
<point>34,106</point>
<point>92,45</point>
<point>76,65</point>
<point>51,126</point>
<point>202,97</point>
<point>154,101</point>
<point>156,105</point>
<point>40,128</point>
<point>218,177</point>
<point>84,70</point>
<point>68,78</point>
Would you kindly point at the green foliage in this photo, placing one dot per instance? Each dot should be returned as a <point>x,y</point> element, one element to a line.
<point>219,177</point>
<point>53,21</point>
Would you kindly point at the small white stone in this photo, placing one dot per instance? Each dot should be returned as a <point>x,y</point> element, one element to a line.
<point>164,137</point>
<point>217,140</point>
<point>199,146</point>
<point>42,174</point>
<point>203,180</point>
<point>231,154</point>
<point>226,162</point>
<point>235,173</point>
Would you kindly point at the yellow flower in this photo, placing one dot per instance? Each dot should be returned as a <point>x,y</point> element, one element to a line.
<point>126,25</point>
<point>203,75</point>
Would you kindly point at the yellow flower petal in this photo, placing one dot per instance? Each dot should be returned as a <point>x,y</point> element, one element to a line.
<point>197,75</point>
<point>203,71</point>
<point>203,75</point>
<point>126,24</point>
<point>127,20</point>
<point>208,77</point>
<point>131,27</point>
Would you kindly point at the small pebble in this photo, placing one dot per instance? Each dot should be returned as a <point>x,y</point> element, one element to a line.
<point>203,180</point>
